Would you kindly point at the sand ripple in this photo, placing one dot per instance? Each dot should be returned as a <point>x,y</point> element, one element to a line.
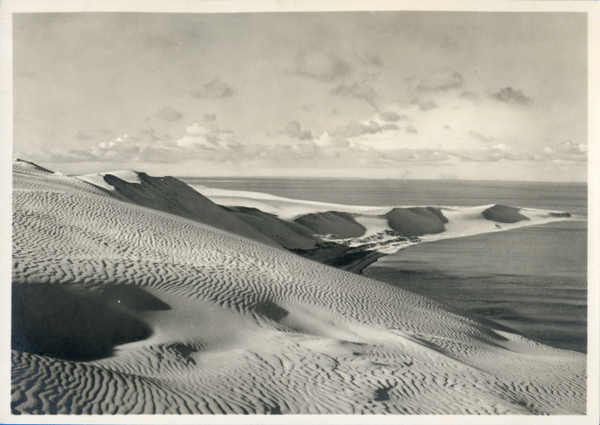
<point>242,327</point>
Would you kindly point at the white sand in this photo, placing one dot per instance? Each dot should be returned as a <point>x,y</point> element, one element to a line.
<point>98,179</point>
<point>254,329</point>
<point>462,221</point>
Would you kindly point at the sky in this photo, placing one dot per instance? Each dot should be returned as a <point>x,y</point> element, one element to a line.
<point>395,95</point>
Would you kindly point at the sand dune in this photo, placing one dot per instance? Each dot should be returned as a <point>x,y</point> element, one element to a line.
<point>340,232</point>
<point>503,214</point>
<point>231,325</point>
<point>288,234</point>
<point>175,197</point>
<point>337,224</point>
<point>416,221</point>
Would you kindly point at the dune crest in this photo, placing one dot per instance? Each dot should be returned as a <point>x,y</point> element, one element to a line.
<point>351,237</point>
<point>238,326</point>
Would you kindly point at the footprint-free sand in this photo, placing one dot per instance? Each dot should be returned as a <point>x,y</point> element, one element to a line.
<point>123,308</point>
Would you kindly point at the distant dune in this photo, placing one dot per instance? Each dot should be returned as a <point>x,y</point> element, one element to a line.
<point>288,234</point>
<point>503,214</point>
<point>416,221</point>
<point>337,224</point>
<point>147,305</point>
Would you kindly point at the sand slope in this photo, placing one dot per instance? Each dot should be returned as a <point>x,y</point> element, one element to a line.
<point>381,229</point>
<point>236,326</point>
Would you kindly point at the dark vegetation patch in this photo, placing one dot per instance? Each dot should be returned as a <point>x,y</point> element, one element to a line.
<point>340,256</point>
<point>560,214</point>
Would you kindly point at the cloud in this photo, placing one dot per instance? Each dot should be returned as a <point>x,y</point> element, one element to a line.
<point>104,131</point>
<point>207,137</point>
<point>441,80</point>
<point>566,150</point>
<point>469,95</point>
<point>411,129</point>
<point>209,117</point>
<point>149,134</point>
<point>359,91</point>
<point>391,116</point>
<point>389,127</point>
<point>215,89</point>
<point>480,137</point>
<point>370,59</point>
<point>166,113</point>
<point>53,156</point>
<point>294,130</point>
<point>424,105</point>
<point>322,66</point>
<point>82,136</point>
<point>502,147</point>
<point>510,95</point>
<point>355,129</point>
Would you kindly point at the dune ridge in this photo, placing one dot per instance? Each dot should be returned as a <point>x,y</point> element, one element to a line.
<point>352,237</point>
<point>239,326</point>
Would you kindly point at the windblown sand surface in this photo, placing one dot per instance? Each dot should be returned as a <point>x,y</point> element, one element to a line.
<point>213,322</point>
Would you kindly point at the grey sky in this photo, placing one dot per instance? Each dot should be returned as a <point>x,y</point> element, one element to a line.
<point>385,94</point>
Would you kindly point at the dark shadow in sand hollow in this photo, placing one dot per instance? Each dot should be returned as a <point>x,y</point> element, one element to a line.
<point>50,320</point>
<point>131,297</point>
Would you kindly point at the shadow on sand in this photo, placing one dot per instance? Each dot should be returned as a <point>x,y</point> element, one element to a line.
<point>54,321</point>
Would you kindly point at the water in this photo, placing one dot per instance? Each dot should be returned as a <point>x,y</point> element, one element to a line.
<point>559,196</point>
<point>533,279</point>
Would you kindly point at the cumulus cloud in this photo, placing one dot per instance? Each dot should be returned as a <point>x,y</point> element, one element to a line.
<point>480,137</point>
<point>441,80</point>
<point>166,113</point>
<point>207,137</point>
<point>370,59</point>
<point>509,95</point>
<point>104,131</point>
<point>356,128</point>
<point>52,156</point>
<point>322,66</point>
<point>411,129</point>
<point>389,127</point>
<point>497,153</point>
<point>566,150</point>
<point>294,130</point>
<point>81,136</point>
<point>424,105</point>
<point>209,118</point>
<point>215,89</point>
<point>502,147</point>
<point>469,95</point>
<point>391,116</point>
<point>359,91</point>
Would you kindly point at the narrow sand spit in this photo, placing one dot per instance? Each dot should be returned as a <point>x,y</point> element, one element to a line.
<point>218,323</point>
